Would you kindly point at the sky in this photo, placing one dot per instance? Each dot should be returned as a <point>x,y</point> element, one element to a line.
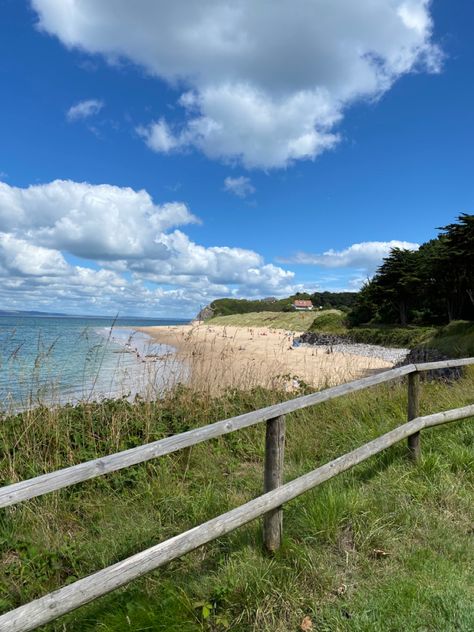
<point>155,156</point>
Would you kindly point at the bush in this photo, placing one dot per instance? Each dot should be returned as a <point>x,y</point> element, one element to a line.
<point>333,322</point>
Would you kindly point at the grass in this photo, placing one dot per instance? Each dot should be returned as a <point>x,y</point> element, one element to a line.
<point>386,546</point>
<point>392,336</point>
<point>454,340</point>
<point>330,322</point>
<point>294,321</point>
<point>386,335</point>
<point>333,322</point>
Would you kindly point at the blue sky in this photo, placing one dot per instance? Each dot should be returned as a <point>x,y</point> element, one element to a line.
<point>302,147</point>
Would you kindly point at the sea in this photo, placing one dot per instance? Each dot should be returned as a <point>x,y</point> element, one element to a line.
<point>49,360</point>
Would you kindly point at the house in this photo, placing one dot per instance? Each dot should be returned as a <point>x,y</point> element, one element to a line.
<point>302,305</point>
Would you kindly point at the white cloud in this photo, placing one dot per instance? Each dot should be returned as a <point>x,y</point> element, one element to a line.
<point>158,136</point>
<point>91,221</point>
<point>19,257</point>
<point>139,259</point>
<point>241,186</point>
<point>265,83</point>
<point>84,109</point>
<point>366,256</point>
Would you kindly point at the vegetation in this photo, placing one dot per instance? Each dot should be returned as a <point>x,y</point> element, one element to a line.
<point>434,285</point>
<point>386,546</point>
<point>390,336</point>
<point>294,321</point>
<point>326,300</point>
<point>454,340</point>
<point>386,335</point>
<point>336,300</point>
<point>408,302</point>
<point>330,322</point>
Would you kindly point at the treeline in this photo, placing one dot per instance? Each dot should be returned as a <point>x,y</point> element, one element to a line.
<point>336,300</point>
<point>433,285</point>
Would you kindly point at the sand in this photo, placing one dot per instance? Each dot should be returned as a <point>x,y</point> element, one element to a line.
<point>244,357</point>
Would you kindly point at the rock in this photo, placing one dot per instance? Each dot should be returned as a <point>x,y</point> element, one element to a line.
<point>205,313</point>
<point>321,339</point>
<point>423,354</point>
<point>343,344</point>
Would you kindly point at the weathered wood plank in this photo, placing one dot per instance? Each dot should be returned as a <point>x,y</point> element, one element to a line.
<point>68,598</point>
<point>443,364</point>
<point>273,478</point>
<point>59,479</point>
<point>414,449</point>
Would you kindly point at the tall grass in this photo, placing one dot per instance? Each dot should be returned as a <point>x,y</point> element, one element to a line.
<point>222,357</point>
<point>294,321</point>
<point>385,546</point>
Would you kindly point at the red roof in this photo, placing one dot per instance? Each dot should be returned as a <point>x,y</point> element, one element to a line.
<point>302,303</point>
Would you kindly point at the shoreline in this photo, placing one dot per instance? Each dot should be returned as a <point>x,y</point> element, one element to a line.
<point>219,357</point>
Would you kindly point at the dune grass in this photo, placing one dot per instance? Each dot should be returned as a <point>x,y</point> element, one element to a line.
<point>293,321</point>
<point>387,546</point>
<point>456,339</point>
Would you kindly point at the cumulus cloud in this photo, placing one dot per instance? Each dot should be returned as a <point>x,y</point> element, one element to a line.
<point>84,109</point>
<point>264,83</point>
<point>159,137</point>
<point>19,257</point>
<point>365,256</point>
<point>241,186</point>
<point>91,221</point>
<point>138,254</point>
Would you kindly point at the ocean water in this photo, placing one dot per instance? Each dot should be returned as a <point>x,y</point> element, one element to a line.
<point>52,359</point>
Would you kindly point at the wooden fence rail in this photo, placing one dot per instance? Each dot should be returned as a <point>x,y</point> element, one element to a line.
<point>59,479</point>
<point>68,598</point>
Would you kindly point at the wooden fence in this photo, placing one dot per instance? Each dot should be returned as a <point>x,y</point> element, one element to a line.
<point>72,596</point>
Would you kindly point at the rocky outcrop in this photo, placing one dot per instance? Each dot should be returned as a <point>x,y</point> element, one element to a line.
<point>422,354</point>
<point>205,313</point>
<point>321,339</point>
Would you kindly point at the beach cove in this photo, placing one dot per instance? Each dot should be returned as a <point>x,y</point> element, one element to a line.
<point>219,357</point>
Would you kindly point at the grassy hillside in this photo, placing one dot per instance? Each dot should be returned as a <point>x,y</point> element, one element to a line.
<point>327,300</point>
<point>455,339</point>
<point>384,547</point>
<point>294,321</point>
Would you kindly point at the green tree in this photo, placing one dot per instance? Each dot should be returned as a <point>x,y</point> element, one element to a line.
<point>459,243</point>
<point>397,281</point>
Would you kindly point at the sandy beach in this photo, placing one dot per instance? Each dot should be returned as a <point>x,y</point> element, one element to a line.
<point>245,357</point>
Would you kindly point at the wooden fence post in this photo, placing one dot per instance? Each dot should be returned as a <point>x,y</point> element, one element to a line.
<point>414,448</point>
<point>273,478</point>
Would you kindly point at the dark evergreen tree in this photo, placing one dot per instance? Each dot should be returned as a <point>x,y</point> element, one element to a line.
<point>432,285</point>
<point>459,242</point>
